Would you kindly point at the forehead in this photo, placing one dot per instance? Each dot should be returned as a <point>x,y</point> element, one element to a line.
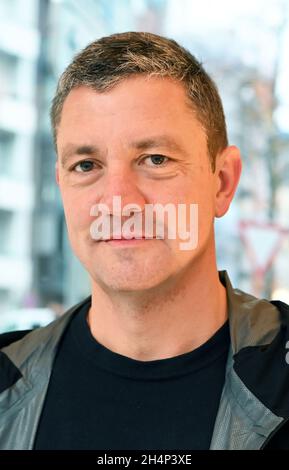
<point>131,94</point>
<point>136,107</point>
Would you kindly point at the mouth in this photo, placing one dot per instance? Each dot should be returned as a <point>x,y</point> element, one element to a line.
<point>126,241</point>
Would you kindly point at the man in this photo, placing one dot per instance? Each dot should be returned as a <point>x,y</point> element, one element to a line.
<point>165,354</point>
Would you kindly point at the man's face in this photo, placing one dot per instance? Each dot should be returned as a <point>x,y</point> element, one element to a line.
<point>118,136</point>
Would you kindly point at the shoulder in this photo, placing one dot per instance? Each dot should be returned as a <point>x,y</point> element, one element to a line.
<point>20,346</point>
<point>30,353</point>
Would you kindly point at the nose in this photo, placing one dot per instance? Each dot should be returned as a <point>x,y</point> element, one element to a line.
<point>122,182</point>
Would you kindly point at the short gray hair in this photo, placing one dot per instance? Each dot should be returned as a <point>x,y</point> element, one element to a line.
<point>106,62</point>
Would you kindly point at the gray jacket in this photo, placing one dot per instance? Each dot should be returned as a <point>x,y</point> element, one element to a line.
<point>254,407</point>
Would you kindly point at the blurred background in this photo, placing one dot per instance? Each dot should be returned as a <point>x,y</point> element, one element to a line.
<point>243,44</point>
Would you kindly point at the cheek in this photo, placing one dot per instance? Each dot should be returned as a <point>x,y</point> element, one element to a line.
<point>199,192</point>
<point>76,209</point>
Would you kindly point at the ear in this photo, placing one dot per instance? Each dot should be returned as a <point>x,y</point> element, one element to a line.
<point>57,172</point>
<point>227,174</point>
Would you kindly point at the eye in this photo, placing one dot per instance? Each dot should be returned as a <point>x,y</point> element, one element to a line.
<point>156,160</point>
<point>84,167</point>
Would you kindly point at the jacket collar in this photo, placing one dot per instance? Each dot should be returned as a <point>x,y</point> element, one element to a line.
<point>253,321</point>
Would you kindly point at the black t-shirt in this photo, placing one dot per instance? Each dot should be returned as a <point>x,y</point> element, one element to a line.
<point>101,400</point>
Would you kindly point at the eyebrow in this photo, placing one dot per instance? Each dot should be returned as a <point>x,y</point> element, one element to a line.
<point>157,142</point>
<point>72,149</point>
<point>144,144</point>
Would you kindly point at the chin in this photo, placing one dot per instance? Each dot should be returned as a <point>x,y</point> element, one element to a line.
<point>128,283</point>
<point>128,278</point>
<point>128,271</point>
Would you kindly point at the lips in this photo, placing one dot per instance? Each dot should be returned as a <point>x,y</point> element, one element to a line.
<point>127,239</point>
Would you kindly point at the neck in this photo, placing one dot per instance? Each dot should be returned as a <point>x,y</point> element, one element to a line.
<point>170,320</point>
